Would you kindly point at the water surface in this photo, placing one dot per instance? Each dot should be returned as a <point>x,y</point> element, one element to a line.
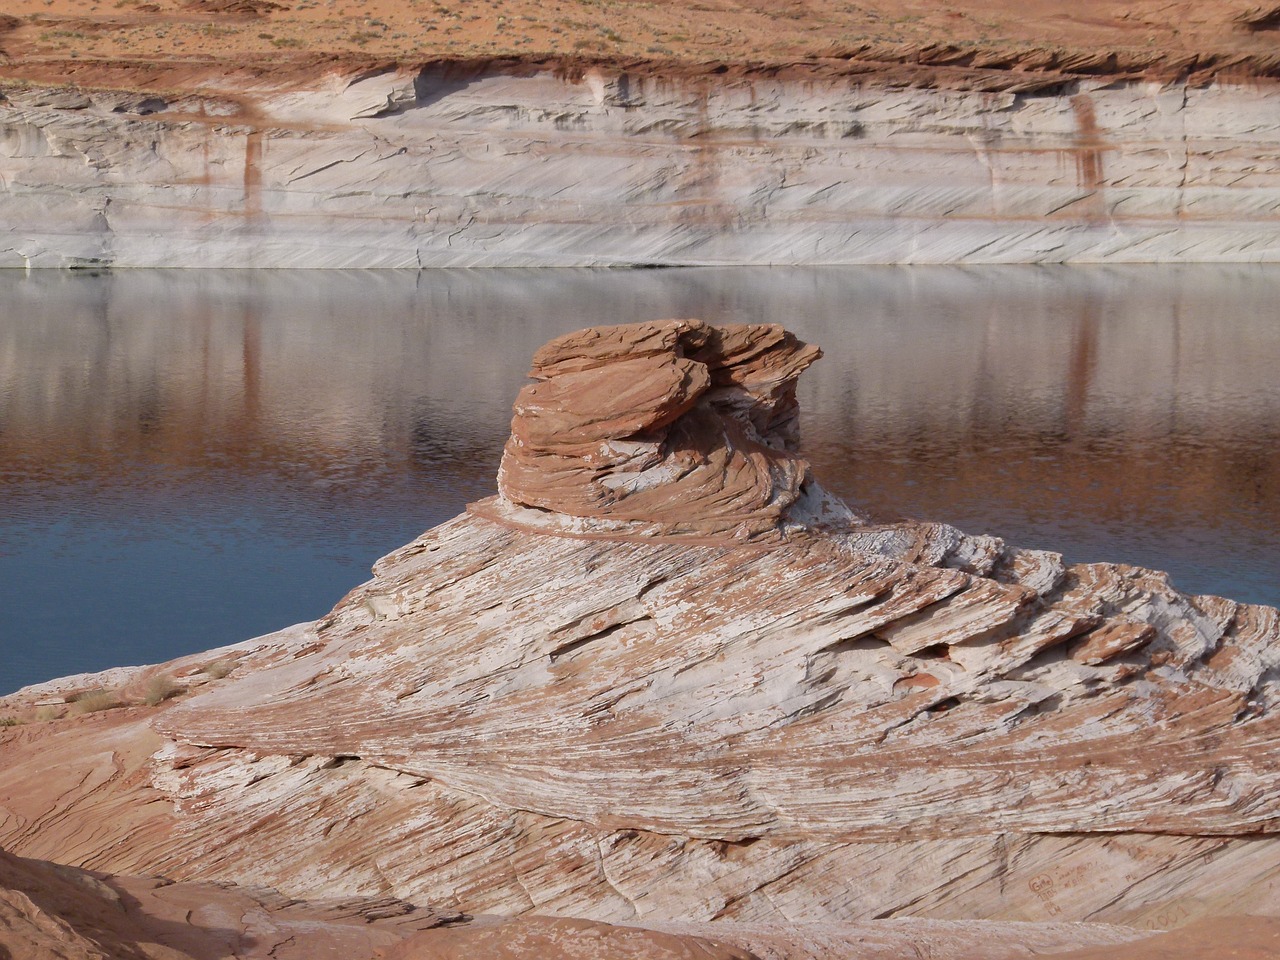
<point>189,458</point>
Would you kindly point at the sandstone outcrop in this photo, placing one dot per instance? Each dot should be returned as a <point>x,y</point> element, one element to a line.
<point>534,164</point>
<point>48,910</point>
<point>678,427</point>
<point>580,700</point>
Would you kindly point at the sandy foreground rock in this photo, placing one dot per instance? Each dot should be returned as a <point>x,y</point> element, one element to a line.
<point>664,680</point>
<point>48,910</point>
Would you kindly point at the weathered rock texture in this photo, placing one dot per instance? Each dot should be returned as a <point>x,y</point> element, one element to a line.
<point>540,938</point>
<point>684,428</point>
<point>49,911</point>
<point>524,164</point>
<point>625,716</point>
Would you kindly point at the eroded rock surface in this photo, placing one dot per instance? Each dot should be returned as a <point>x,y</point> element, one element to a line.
<point>563,939</point>
<point>579,700</point>
<point>671,428</point>
<point>53,912</point>
<point>535,164</point>
<point>50,911</point>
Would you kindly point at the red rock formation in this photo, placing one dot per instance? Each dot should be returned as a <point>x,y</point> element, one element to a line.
<point>674,428</point>
<point>662,679</point>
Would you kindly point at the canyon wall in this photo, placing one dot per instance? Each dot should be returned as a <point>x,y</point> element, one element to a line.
<point>523,165</point>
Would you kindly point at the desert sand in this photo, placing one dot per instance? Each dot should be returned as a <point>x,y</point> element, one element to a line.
<point>961,43</point>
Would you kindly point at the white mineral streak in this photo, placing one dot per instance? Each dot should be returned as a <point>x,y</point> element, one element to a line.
<point>458,167</point>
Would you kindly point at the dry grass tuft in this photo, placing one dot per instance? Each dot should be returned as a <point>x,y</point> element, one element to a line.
<point>218,668</point>
<point>160,688</point>
<point>92,701</point>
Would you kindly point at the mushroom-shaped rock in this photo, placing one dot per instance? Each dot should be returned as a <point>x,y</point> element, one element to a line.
<point>672,427</point>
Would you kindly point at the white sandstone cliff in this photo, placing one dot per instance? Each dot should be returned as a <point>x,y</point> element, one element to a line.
<point>507,165</point>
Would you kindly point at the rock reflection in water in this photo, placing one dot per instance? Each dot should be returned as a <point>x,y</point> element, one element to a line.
<point>189,458</point>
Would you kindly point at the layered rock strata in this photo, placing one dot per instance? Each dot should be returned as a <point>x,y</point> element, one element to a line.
<point>48,910</point>
<point>679,427</point>
<point>749,711</point>
<point>532,164</point>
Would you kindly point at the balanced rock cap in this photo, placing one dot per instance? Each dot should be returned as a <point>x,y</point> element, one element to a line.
<point>671,427</point>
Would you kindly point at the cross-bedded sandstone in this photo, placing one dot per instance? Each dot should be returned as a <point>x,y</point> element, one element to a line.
<point>663,678</point>
<point>670,428</point>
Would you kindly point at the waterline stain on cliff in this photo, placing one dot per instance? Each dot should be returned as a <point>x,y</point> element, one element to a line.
<point>1088,153</point>
<point>253,174</point>
<point>765,171</point>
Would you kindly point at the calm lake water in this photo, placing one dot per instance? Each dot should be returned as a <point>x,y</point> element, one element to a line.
<point>191,458</point>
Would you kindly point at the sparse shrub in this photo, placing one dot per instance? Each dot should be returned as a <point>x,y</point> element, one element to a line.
<point>218,668</point>
<point>9,721</point>
<point>160,688</point>
<point>46,713</point>
<point>92,701</point>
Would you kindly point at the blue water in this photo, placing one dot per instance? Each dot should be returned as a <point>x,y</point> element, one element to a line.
<point>191,458</point>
